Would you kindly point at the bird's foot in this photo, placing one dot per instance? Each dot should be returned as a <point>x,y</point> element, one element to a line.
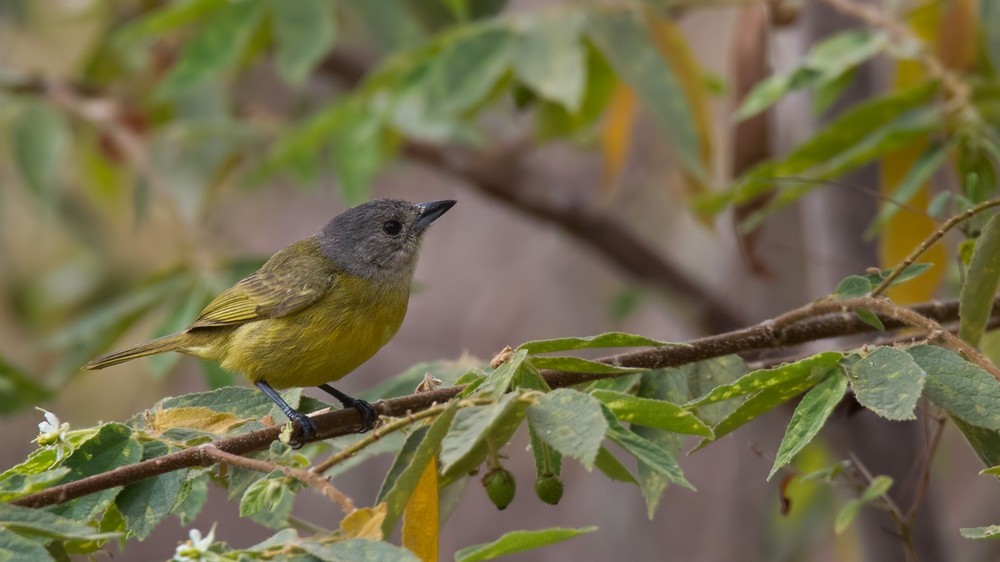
<point>303,429</point>
<point>369,417</point>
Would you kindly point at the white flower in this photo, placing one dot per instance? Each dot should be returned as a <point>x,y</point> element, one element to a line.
<point>196,548</point>
<point>52,433</point>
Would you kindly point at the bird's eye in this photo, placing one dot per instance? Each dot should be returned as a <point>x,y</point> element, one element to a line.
<point>392,228</point>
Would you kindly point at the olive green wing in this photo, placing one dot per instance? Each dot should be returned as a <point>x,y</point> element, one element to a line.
<point>289,282</point>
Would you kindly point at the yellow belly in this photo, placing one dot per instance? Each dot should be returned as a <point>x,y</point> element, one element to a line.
<point>319,344</point>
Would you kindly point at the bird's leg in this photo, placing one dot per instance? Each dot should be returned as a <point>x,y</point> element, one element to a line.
<point>368,414</point>
<point>305,425</point>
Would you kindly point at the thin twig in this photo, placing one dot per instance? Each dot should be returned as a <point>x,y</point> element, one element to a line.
<point>317,482</point>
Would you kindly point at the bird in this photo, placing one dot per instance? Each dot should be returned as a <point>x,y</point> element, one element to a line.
<point>315,311</point>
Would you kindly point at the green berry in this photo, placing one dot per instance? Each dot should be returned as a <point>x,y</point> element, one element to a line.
<point>549,489</point>
<point>500,487</point>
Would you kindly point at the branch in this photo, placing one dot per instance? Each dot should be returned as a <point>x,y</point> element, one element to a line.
<point>343,422</point>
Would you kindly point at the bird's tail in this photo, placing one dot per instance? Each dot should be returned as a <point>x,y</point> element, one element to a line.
<point>159,345</point>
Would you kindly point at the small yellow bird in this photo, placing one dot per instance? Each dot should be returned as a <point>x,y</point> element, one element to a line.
<point>315,311</point>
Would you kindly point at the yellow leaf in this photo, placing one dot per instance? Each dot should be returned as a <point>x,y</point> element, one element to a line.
<point>957,34</point>
<point>364,523</point>
<point>420,518</point>
<point>674,48</point>
<point>616,135</point>
<point>193,417</point>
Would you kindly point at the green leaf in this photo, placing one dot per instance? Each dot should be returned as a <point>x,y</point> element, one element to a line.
<point>646,452</point>
<point>627,44</point>
<point>789,375</point>
<point>39,139</point>
<point>467,68</point>
<point>391,22</point>
<point>990,19</point>
<point>853,286</point>
<point>652,413</point>
<point>825,63</point>
<point>571,422</point>
<point>609,339</point>
<point>245,403</point>
<point>856,136</point>
<point>549,58</point>
<point>961,388</point>
<point>500,379</point>
<point>111,447</point>
<point>268,501</point>
<point>14,547</point>
<point>926,165</point>
<point>192,497</point>
<point>147,502</point>
<point>14,485</point>
<point>304,31</point>
<point>612,467</point>
<point>358,549</point>
<point>911,271</point>
<point>847,515</point>
<point>809,417</point>
<point>985,442</point>
<point>421,447</point>
<point>888,382</point>
<point>876,488</point>
<point>980,533</point>
<point>359,152</point>
<point>475,431</point>
<point>695,380</point>
<point>18,389</point>
<point>170,16</point>
<point>41,523</point>
<point>577,365</point>
<point>518,541</point>
<point>215,49</point>
<point>981,282</point>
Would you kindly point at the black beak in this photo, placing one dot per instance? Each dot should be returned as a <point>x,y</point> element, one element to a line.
<point>430,211</point>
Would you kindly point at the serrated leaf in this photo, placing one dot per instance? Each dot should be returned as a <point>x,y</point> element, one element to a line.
<point>627,44</point>
<point>645,452</point>
<point>578,365</point>
<point>358,549</point>
<point>111,447</point>
<point>609,339</point>
<point>809,417</point>
<point>789,375</point>
<point>14,485</point>
<point>475,431</point>
<point>39,138</point>
<point>518,541</point>
<point>888,382</point>
<point>981,281</point>
<point>688,382</point>
<point>658,414</point>
<point>304,31</point>
<point>215,49</point>
<point>14,547</point>
<point>268,501</point>
<point>980,533</point>
<point>961,388</point>
<point>571,422</point>
<point>191,499</point>
<point>41,523</point>
<point>549,58</point>
<point>420,448</point>
<point>500,379</point>
<point>147,502</point>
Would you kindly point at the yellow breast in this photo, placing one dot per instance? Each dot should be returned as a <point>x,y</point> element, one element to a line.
<point>321,343</point>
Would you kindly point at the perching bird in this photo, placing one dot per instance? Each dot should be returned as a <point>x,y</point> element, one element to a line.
<point>315,311</point>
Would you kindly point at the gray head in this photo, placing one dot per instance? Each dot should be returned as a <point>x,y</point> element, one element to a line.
<point>379,239</point>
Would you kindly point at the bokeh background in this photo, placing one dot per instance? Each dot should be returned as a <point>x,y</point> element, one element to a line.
<point>493,272</point>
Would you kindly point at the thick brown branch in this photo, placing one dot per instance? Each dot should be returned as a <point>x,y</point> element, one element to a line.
<point>343,422</point>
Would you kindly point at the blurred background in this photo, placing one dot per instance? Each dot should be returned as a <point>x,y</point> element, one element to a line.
<point>150,157</point>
